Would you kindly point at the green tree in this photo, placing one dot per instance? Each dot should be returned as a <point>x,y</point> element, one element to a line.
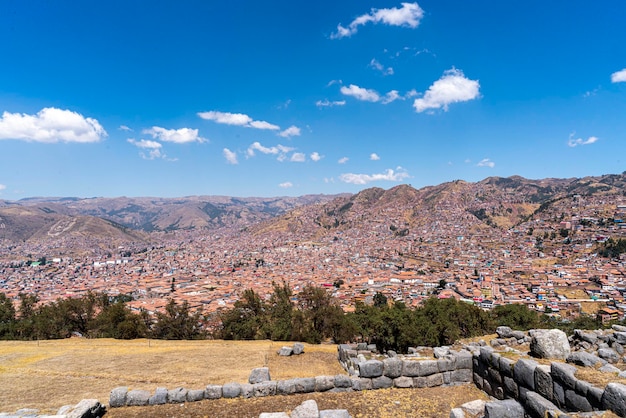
<point>516,316</point>
<point>7,318</point>
<point>177,322</point>
<point>246,320</point>
<point>280,310</point>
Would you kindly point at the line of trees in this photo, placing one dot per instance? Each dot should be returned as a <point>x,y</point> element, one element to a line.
<point>94,315</point>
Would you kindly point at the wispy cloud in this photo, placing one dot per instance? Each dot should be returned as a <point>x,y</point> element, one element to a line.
<point>51,125</point>
<point>343,160</point>
<point>237,119</point>
<point>391,96</point>
<point>286,185</point>
<point>379,67</point>
<point>389,175</point>
<point>177,136</point>
<point>125,128</point>
<point>291,131</point>
<point>360,93</point>
<point>374,157</point>
<point>151,150</point>
<point>452,87</point>
<point>619,76</point>
<point>486,162</point>
<point>231,157</point>
<point>328,103</point>
<point>574,142</point>
<point>409,15</point>
<point>298,157</point>
<point>279,150</point>
<point>315,156</point>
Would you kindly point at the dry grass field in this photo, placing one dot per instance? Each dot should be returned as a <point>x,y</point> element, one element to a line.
<point>49,374</point>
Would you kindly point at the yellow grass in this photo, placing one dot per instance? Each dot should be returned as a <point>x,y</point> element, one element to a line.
<point>49,374</point>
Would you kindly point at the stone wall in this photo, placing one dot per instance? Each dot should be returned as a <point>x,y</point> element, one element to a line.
<point>543,390</point>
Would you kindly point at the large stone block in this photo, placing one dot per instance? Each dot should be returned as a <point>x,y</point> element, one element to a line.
<point>509,408</point>
<point>525,373</point>
<point>335,413</point>
<point>609,355</point>
<point>582,358</point>
<point>576,402</point>
<point>564,374</point>
<point>343,381</point>
<point>550,344</point>
<point>87,408</point>
<point>324,383</point>
<point>371,368</point>
<point>117,397</point>
<point>543,382</point>
<point>403,382</point>
<point>178,395</point>
<point>462,359</point>
<point>307,409</point>
<point>159,397</point>
<point>434,380</point>
<point>194,395</point>
<point>504,332</point>
<point>461,376</point>
<point>285,387</point>
<point>298,348</point>
<point>510,386</point>
<point>538,406</point>
<point>614,398</point>
<point>392,367</point>
<point>506,366</point>
<point>231,390</point>
<point>410,368</point>
<point>304,384</point>
<point>259,374</point>
<point>382,382</point>
<point>213,391</point>
<point>137,397</point>
<point>263,389</point>
<point>428,367</point>
<point>247,390</point>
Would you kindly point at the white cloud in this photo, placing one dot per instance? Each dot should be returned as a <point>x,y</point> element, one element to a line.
<point>327,103</point>
<point>360,93</point>
<point>375,64</point>
<point>279,150</point>
<point>574,142</point>
<point>315,156</point>
<point>331,82</point>
<point>291,131</point>
<point>297,157</point>
<point>389,175</point>
<point>409,15</point>
<point>178,136</point>
<point>286,185</point>
<point>486,162</point>
<point>51,125</point>
<point>452,87</point>
<point>152,147</point>
<point>2,187</point>
<point>237,119</point>
<point>125,128</point>
<point>619,76</point>
<point>374,157</point>
<point>391,96</point>
<point>343,160</point>
<point>231,157</point>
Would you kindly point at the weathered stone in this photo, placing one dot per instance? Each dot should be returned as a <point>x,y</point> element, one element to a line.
<point>614,398</point>
<point>307,409</point>
<point>26,413</point>
<point>285,351</point>
<point>194,395</point>
<point>620,337</point>
<point>263,389</point>
<point>609,368</point>
<point>576,402</point>
<point>382,382</point>
<point>559,394</point>
<point>342,381</point>
<point>619,349</point>
<point>608,354</point>
<point>231,390</point>
<point>543,382</point>
<point>410,368</point>
<point>285,387</point>
<point>494,376</point>
<point>371,368</point>
<point>462,359</point>
<point>564,374</point>
<point>213,391</point>
<point>457,413</point>
<point>298,348</point>
<point>391,353</point>
<point>403,382</point>
<point>504,332</point>
<point>445,364</point>
<point>304,384</point>
<point>485,355</point>
<point>87,408</point>
<point>434,380</point>
<point>159,397</point>
<point>117,397</point>
<point>582,387</point>
<point>510,386</point>
<point>461,376</point>
<point>361,346</point>
<point>420,382</point>
<point>247,390</point>
<point>356,384</point>
<point>594,395</point>
<point>474,408</point>
<point>258,375</point>
<point>324,383</point>
<point>525,373</point>
<point>441,352</point>
<point>392,367</point>
<point>550,344</point>
<point>539,406</point>
<point>619,328</point>
<point>178,395</point>
<point>137,397</point>
<point>506,366</point>
<point>498,392</point>
<point>364,383</point>
<point>335,413</point>
<point>509,408</point>
<point>582,358</point>
<point>519,336</point>
<point>428,367</point>
<point>274,415</point>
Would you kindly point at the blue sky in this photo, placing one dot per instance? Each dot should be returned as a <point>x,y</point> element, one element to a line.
<point>248,98</point>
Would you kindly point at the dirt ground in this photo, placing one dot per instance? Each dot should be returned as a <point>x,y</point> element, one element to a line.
<point>383,403</point>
